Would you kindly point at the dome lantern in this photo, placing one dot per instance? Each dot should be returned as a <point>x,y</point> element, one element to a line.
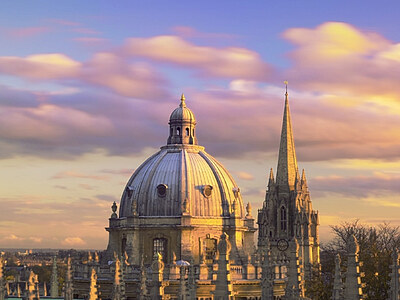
<point>182,125</point>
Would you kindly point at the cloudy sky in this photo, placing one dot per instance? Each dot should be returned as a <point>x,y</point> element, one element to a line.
<point>86,89</point>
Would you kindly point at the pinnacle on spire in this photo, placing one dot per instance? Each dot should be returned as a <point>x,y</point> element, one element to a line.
<point>303,179</point>
<point>183,104</point>
<point>271,180</point>
<point>287,163</point>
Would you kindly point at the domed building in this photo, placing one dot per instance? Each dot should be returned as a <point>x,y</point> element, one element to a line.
<point>179,202</point>
<point>182,231</point>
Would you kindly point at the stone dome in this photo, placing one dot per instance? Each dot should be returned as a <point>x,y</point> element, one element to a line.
<point>181,179</point>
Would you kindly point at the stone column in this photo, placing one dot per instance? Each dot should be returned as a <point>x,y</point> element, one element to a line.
<point>2,280</point>
<point>337,283</point>
<point>353,286</point>
<point>182,284</point>
<point>267,275</point>
<point>223,284</point>
<point>142,292</point>
<point>93,290</point>
<point>68,289</point>
<point>295,283</point>
<point>31,292</point>
<point>192,281</point>
<point>395,277</point>
<point>158,284</point>
<point>118,292</point>
<point>54,280</point>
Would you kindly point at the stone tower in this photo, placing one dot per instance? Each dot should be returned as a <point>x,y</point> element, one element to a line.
<point>353,285</point>
<point>287,211</point>
<point>68,288</point>
<point>54,279</point>
<point>394,293</point>
<point>337,283</point>
<point>2,280</point>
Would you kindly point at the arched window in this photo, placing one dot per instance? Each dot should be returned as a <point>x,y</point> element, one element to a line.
<point>283,219</point>
<point>160,246</point>
<point>210,246</point>
<point>178,131</point>
<point>187,131</point>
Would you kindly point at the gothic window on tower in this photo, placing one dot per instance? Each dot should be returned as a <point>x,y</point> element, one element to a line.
<point>123,245</point>
<point>178,131</point>
<point>283,219</point>
<point>160,246</point>
<point>187,131</point>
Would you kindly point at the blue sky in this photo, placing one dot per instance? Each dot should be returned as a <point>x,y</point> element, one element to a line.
<point>86,89</point>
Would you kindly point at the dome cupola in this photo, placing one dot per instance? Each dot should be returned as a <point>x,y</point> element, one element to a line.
<point>182,125</point>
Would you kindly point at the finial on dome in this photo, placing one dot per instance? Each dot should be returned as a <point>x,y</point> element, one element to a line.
<point>183,104</point>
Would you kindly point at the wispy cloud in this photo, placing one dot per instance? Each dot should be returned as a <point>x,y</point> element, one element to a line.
<point>73,174</point>
<point>24,32</point>
<point>244,175</point>
<point>377,184</point>
<point>73,242</point>
<point>190,32</point>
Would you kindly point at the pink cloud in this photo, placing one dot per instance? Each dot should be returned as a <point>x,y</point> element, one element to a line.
<point>73,242</point>
<point>244,175</point>
<point>190,32</point>
<point>63,22</point>
<point>73,174</point>
<point>25,32</point>
<point>229,62</point>
<point>137,80</point>
<point>90,40</point>
<point>123,172</point>
<point>40,66</point>
<point>50,123</point>
<point>376,184</point>
<point>338,58</point>
<point>87,31</point>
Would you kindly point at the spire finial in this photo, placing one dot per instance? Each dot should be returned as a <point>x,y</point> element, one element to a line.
<point>286,83</point>
<point>183,104</point>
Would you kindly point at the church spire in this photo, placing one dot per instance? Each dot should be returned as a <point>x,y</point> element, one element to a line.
<point>287,162</point>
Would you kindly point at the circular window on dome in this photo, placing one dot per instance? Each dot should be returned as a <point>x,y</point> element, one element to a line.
<point>207,190</point>
<point>162,190</point>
